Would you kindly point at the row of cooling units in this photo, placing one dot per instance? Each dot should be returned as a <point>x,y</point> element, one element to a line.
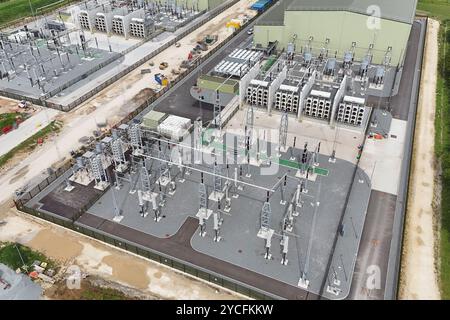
<point>237,62</point>
<point>318,104</point>
<point>138,27</point>
<point>258,93</point>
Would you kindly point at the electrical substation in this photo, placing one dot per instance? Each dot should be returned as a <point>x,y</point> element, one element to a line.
<point>260,173</point>
<point>49,60</point>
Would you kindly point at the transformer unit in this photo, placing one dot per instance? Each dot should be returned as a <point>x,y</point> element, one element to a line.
<point>307,57</point>
<point>379,75</point>
<point>348,59</point>
<point>364,67</point>
<point>351,111</point>
<point>330,67</point>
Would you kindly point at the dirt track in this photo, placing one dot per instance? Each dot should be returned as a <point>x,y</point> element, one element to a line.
<point>419,278</point>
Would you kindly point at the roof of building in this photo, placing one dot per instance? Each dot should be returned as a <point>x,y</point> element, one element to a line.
<point>397,10</point>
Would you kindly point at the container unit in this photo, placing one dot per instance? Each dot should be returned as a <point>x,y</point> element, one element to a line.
<point>261,5</point>
<point>287,98</point>
<point>153,119</point>
<point>351,111</point>
<point>318,105</point>
<point>220,84</point>
<point>174,127</point>
<point>258,93</point>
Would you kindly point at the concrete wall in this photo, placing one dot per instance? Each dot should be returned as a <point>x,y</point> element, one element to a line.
<point>342,28</point>
<point>304,94</point>
<point>245,81</point>
<point>274,87</point>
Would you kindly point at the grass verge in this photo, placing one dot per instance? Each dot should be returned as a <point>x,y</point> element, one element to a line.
<point>15,255</point>
<point>87,291</point>
<point>31,143</point>
<point>440,9</point>
<point>8,119</point>
<point>443,154</point>
<point>13,10</point>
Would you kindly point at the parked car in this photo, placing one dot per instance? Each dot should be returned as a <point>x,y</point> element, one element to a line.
<point>24,104</point>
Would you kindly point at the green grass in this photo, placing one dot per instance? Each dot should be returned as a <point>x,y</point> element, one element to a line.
<point>98,293</point>
<point>8,119</point>
<point>15,9</point>
<point>30,143</point>
<point>436,8</point>
<point>440,9</point>
<point>443,153</point>
<point>9,256</point>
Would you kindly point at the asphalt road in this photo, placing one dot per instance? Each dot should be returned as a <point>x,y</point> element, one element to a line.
<point>402,101</point>
<point>378,230</point>
<point>26,129</point>
<point>374,248</point>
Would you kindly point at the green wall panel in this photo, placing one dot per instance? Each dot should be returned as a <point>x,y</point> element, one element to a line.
<point>342,28</point>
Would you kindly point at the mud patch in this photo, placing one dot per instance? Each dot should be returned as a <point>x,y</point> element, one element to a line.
<point>56,245</point>
<point>129,271</point>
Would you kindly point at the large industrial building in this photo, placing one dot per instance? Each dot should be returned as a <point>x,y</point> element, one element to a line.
<point>348,22</point>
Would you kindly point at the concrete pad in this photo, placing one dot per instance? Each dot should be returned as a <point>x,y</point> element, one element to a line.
<point>382,159</point>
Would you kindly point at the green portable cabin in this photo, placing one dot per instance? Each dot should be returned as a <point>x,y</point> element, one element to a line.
<point>213,83</point>
<point>152,119</point>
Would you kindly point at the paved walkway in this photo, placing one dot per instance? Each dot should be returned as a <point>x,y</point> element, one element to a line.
<point>26,129</point>
<point>22,288</point>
